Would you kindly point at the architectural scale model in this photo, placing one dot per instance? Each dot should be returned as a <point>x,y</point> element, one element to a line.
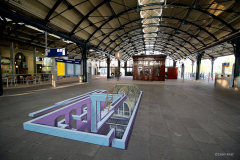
<point>103,117</point>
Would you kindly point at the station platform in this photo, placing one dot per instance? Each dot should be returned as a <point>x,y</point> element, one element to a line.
<point>175,120</point>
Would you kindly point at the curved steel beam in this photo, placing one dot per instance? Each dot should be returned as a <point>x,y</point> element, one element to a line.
<point>201,28</point>
<point>159,41</point>
<point>178,56</point>
<point>167,47</point>
<point>51,11</point>
<point>198,8</point>
<point>160,45</point>
<point>108,35</point>
<point>87,15</point>
<point>162,33</point>
<point>155,45</point>
<point>111,18</point>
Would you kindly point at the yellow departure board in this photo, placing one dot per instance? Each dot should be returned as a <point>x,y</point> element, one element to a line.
<point>60,68</point>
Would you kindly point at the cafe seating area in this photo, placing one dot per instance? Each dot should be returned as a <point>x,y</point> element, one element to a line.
<point>27,79</point>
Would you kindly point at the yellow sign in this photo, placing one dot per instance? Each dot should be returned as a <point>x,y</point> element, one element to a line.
<point>60,68</point>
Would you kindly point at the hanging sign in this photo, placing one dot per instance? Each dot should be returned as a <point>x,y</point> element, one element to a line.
<point>56,52</point>
<point>78,61</point>
<point>5,61</point>
<point>225,68</point>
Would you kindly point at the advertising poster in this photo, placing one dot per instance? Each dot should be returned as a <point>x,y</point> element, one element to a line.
<point>24,65</point>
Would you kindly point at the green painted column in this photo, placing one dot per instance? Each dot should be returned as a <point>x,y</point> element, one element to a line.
<point>1,84</point>
<point>84,63</point>
<point>199,58</point>
<point>108,67</point>
<point>237,57</point>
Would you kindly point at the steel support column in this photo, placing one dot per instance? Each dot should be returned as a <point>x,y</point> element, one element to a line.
<point>199,57</point>
<point>108,67</point>
<point>12,58</point>
<point>237,57</point>
<point>34,62</point>
<point>84,63</point>
<point>1,84</point>
<point>212,65</point>
<point>182,70</point>
<point>125,67</point>
<point>192,68</point>
<point>54,75</point>
<point>119,66</point>
<point>174,63</point>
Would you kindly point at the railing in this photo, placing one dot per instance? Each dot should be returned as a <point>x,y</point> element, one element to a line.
<point>205,77</point>
<point>26,78</point>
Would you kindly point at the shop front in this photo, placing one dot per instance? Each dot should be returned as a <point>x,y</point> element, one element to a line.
<point>149,68</point>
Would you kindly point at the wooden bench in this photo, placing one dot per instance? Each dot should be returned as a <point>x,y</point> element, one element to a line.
<point>29,79</point>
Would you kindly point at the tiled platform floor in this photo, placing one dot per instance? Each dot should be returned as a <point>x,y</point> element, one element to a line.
<point>176,120</point>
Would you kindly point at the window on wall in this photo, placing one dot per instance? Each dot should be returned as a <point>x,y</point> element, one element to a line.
<point>157,70</point>
<point>103,64</point>
<point>130,63</point>
<point>146,72</point>
<point>122,64</point>
<point>157,63</point>
<point>126,110</point>
<point>114,63</point>
<point>169,62</point>
<point>150,71</point>
<point>140,72</point>
<point>129,69</point>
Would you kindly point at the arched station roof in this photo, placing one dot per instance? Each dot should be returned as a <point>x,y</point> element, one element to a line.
<point>177,28</point>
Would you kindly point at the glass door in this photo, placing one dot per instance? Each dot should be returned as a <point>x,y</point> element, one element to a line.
<point>146,73</point>
<point>150,74</point>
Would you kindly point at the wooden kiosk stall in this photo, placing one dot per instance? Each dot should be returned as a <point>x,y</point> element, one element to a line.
<point>149,67</point>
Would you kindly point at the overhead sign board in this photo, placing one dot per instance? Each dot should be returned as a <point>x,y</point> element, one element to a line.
<point>225,68</point>
<point>225,64</point>
<point>70,61</point>
<point>56,52</point>
<point>77,61</point>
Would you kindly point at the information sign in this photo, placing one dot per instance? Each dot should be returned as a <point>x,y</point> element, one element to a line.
<point>56,52</point>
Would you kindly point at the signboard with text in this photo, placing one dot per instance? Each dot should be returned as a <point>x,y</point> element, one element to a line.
<point>56,52</point>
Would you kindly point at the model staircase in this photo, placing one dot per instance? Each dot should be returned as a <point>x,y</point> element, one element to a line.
<point>109,98</point>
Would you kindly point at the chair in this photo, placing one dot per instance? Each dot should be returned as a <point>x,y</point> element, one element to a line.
<point>21,79</point>
<point>49,77</point>
<point>14,80</point>
<point>37,79</point>
<point>59,78</point>
<point>5,79</point>
<point>10,79</point>
<point>29,79</point>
